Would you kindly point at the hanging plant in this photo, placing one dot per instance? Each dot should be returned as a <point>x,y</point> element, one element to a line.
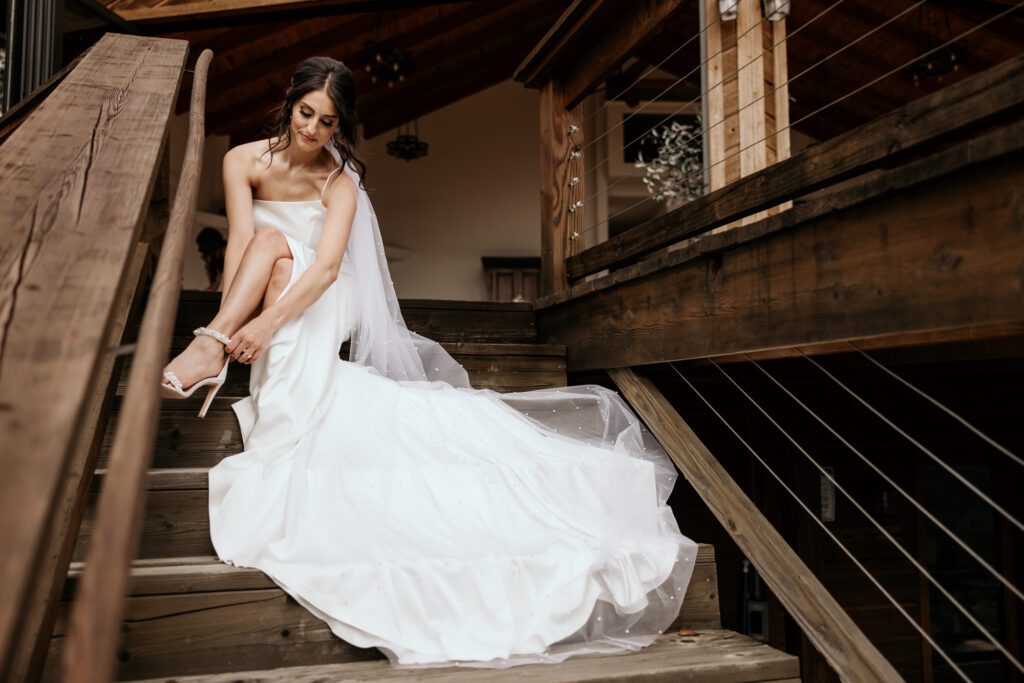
<point>674,174</point>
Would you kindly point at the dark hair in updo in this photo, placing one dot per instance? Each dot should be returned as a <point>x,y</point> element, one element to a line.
<point>321,73</point>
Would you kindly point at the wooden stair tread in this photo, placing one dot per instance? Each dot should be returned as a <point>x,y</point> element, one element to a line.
<point>198,616</point>
<point>713,656</point>
<point>442,320</point>
<point>207,574</point>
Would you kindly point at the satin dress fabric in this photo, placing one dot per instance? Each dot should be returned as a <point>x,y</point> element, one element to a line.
<point>433,524</point>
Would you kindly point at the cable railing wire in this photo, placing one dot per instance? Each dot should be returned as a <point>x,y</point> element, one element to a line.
<point>889,480</point>
<point>817,111</point>
<point>701,133</point>
<point>727,79</point>
<point>924,449</point>
<point>881,529</point>
<point>935,402</point>
<point>647,73</point>
<point>853,558</point>
<point>682,78</point>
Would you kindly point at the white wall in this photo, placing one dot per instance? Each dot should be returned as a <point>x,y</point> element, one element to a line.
<point>475,194</point>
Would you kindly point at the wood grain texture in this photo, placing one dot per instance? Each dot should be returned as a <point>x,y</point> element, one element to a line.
<point>556,168</point>
<point>197,615</point>
<point>76,178</point>
<point>849,652</point>
<point>870,187</point>
<point>37,621</point>
<point>943,255</point>
<point>710,656</point>
<point>635,23</point>
<point>441,320</point>
<point>93,632</point>
<point>960,107</point>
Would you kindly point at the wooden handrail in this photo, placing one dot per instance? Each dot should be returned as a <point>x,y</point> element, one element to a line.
<point>850,653</point>
<point>95,621</point>
<point>77,175</point>
<point>925,121</point>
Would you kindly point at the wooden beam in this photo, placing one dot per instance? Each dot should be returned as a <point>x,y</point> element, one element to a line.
<point>929,246</point>
<point>195,11</point>
<point>635,23</point>
<point>927,120</point>
<point>821,618</point>
<point>540,64</point>
<point>556,169</point>
<point>76,179</point>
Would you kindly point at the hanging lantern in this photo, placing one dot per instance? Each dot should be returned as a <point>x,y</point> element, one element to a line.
<point>382,61</point>
<point>408,145</point>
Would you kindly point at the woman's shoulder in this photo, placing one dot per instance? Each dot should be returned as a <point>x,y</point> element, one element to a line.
<point>247,153</point>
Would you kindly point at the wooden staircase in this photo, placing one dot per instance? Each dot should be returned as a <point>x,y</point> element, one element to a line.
<point>191,615</point>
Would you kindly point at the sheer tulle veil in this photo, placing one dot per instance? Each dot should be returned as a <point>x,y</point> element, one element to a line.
<point>589,415</point>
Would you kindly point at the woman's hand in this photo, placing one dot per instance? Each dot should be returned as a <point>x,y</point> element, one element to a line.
<point>248,343</point>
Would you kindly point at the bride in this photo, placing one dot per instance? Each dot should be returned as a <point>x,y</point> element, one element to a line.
<point>439,523</point>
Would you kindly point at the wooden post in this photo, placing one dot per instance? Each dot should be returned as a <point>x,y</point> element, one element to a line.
<point>560,219</point>
<point>746,119</point>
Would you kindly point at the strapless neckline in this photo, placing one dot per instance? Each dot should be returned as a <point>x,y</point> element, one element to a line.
<point>289,201</point>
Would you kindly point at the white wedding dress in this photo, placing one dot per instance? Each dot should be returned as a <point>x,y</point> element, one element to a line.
<point>441,524</point>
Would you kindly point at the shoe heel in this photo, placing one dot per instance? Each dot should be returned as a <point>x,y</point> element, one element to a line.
<point>209,399</point>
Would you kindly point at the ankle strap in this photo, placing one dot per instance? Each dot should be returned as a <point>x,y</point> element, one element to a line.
<point>219,336</point>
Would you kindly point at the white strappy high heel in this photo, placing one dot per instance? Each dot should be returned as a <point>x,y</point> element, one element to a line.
<point>215,382</point>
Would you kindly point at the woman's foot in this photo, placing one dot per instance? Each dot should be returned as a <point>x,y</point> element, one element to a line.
<point>203,358</point>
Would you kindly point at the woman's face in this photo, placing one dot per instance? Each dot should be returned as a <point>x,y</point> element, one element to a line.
<point>314,119</point>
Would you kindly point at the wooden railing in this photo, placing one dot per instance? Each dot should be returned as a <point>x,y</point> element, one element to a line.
<point>78,176</point>
<point>99,605</point>
<point>919,125</point>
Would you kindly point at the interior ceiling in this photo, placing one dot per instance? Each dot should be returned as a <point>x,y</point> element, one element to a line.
<point>459,48</point>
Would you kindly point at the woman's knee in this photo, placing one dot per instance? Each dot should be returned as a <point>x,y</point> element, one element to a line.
<point>270,239</point>
<point>282,272</point>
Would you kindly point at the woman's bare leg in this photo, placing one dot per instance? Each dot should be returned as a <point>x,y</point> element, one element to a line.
<point>279,279</point>
<point>204,356</point>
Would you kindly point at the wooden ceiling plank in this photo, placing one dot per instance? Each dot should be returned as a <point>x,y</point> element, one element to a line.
<point>491,63</point>
<point>341,43</point>
<point>613,45</point>
<point>203,11</point>
<point>539,60</point>
<point>437,66</point>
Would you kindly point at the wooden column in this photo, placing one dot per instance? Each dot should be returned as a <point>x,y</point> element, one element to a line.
<point>559,220</point>
<point>746,120</point>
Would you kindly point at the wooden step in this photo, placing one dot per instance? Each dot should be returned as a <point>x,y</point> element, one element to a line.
<point>183,440</point>
<point>443,320</point>
<point>709,656</point>
<point>501,367</point>
<point>196,615</point>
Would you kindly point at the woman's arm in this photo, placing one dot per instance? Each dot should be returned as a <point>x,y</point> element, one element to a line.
<point>238,205</point>
<point>340,200</point>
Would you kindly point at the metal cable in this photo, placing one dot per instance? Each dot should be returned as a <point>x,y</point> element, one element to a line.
<point>910,558</point>
<point>1010,9</point>
<point>924,449</point>
<point>924,511</point>
<point>935,402</point>
<point>913,622</point>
